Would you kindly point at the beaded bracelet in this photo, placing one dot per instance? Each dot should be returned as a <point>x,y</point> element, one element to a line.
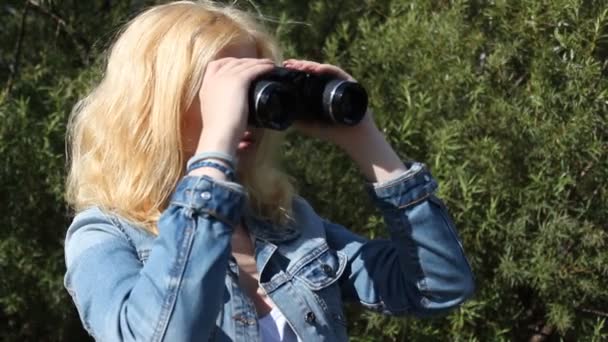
<point>207,163</point>
<point>225,157</point>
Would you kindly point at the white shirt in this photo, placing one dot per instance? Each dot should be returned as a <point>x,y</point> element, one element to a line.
<point>274,328</point>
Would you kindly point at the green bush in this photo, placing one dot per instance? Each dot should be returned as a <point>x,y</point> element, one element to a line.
<point>505,101</point>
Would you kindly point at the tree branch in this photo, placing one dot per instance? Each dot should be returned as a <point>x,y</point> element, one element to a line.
<point>80,42</point>
<point>262,17</point>
<point>594,312</point>
<point>19,46</point>
<point>332,23</point>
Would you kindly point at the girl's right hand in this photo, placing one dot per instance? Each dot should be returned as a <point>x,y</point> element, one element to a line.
<point>224,103</point>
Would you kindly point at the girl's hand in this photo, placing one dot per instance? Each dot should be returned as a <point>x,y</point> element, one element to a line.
<point>341,135</point>
<point>364,143</point>
<point>223,101</point>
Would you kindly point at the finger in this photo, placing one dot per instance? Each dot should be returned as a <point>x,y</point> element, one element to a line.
<point>238,65</point>
<point>228,64</point>
<point>256,70</point>
<point>314,67</point>
<point>289,61</point>
<point>234,63</point>
<point>317,68</point>
<point>301,64</point>
<point>217,64</point>
<point>246,64</point>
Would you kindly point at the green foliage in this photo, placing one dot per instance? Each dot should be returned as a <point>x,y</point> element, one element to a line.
<point>505,101</point>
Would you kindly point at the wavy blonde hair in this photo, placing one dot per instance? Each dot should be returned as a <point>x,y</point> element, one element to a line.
<point>125,144</point>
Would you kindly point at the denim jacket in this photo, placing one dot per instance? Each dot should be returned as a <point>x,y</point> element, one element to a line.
<point>182,285</point>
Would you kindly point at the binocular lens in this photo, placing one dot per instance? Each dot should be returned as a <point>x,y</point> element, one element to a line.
<point>345,102</point>
<point>277,101</point>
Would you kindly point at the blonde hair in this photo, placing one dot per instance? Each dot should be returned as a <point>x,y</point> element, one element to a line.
<point>125,145</point>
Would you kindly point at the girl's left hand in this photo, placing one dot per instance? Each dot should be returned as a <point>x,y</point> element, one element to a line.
<point>340,135</point>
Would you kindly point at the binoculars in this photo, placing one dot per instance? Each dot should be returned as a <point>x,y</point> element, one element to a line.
<point>281,96</point>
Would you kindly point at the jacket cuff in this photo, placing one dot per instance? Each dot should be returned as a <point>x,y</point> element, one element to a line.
<point>204,195</point>
<point>407,189</point>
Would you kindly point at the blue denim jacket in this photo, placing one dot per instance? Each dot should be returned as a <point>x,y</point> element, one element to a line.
<point>182,285</point>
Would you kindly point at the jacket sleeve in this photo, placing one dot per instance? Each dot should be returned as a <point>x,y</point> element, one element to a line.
<point>422,268</point>
<point>119,299</point>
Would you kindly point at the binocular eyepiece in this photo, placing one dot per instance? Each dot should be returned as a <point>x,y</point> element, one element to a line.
<point>283,95</point>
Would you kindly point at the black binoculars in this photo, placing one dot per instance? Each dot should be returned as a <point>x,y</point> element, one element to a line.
<point>283,95</point>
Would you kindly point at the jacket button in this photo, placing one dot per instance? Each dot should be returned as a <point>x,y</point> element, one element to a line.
<point>328,270</point>
<point>206,195</point>
<point>310,317</point>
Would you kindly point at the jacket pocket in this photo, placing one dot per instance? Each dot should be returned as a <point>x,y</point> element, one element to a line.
<point>323,270</point>
<point>319,276</point>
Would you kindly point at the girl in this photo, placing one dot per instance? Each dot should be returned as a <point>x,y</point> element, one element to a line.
<point>185,229</point>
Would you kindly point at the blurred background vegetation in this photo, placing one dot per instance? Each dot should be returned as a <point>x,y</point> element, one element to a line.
<point>505,101</point>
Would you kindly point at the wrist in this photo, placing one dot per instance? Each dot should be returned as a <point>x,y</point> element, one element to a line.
<point>207,171</point>
<point>375,157</point>
<point>359,138</point>
<point>214,164</point>
<point>219,143</point>
<point>225,158</point>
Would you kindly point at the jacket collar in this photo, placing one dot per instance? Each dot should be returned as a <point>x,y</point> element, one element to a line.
<point>265,230</point>
<point>267,236</point>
